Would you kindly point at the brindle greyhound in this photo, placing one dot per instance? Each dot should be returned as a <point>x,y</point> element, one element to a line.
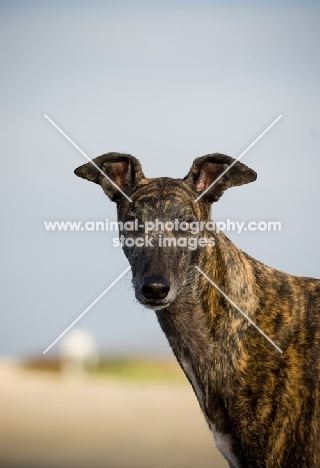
<point>262,406</point>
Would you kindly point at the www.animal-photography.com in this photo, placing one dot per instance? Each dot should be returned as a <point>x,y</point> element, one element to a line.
<point>161,291</point>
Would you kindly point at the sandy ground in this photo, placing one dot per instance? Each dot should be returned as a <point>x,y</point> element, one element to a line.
<point>49,421</point>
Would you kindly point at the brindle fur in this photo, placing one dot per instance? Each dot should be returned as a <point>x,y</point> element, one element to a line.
<point>262,406</point>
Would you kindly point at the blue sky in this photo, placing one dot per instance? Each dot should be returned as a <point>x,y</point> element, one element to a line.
<point>166,82</point>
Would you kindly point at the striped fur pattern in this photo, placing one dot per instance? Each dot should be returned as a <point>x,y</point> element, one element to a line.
<point>263,407</point>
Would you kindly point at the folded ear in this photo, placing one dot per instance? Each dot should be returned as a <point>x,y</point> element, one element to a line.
<point>207,169</point>
<point>117,173</point>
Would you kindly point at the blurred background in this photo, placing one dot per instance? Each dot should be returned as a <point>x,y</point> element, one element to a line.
<point>166,82</point>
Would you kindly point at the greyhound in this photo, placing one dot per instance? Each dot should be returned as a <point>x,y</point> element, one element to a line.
<point>262,405</point>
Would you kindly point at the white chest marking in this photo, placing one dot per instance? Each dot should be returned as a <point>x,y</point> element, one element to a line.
<point>224,444</point>
<point>223,441</point>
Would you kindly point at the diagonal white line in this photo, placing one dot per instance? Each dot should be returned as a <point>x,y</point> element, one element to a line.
<point>87,157</point>
<point>238,158</point>
<point>87,309</point>
<point>239,310</point>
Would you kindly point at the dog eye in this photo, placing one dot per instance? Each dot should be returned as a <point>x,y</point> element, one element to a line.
<point>185,225</point>
<point>129,224</point>
<point>190,222</point>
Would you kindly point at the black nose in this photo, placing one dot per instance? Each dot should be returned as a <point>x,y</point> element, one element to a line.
<point>156,287</point>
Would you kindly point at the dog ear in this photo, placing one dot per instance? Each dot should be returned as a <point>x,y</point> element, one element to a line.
<point>207,169</point>
<point>123,169</point>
